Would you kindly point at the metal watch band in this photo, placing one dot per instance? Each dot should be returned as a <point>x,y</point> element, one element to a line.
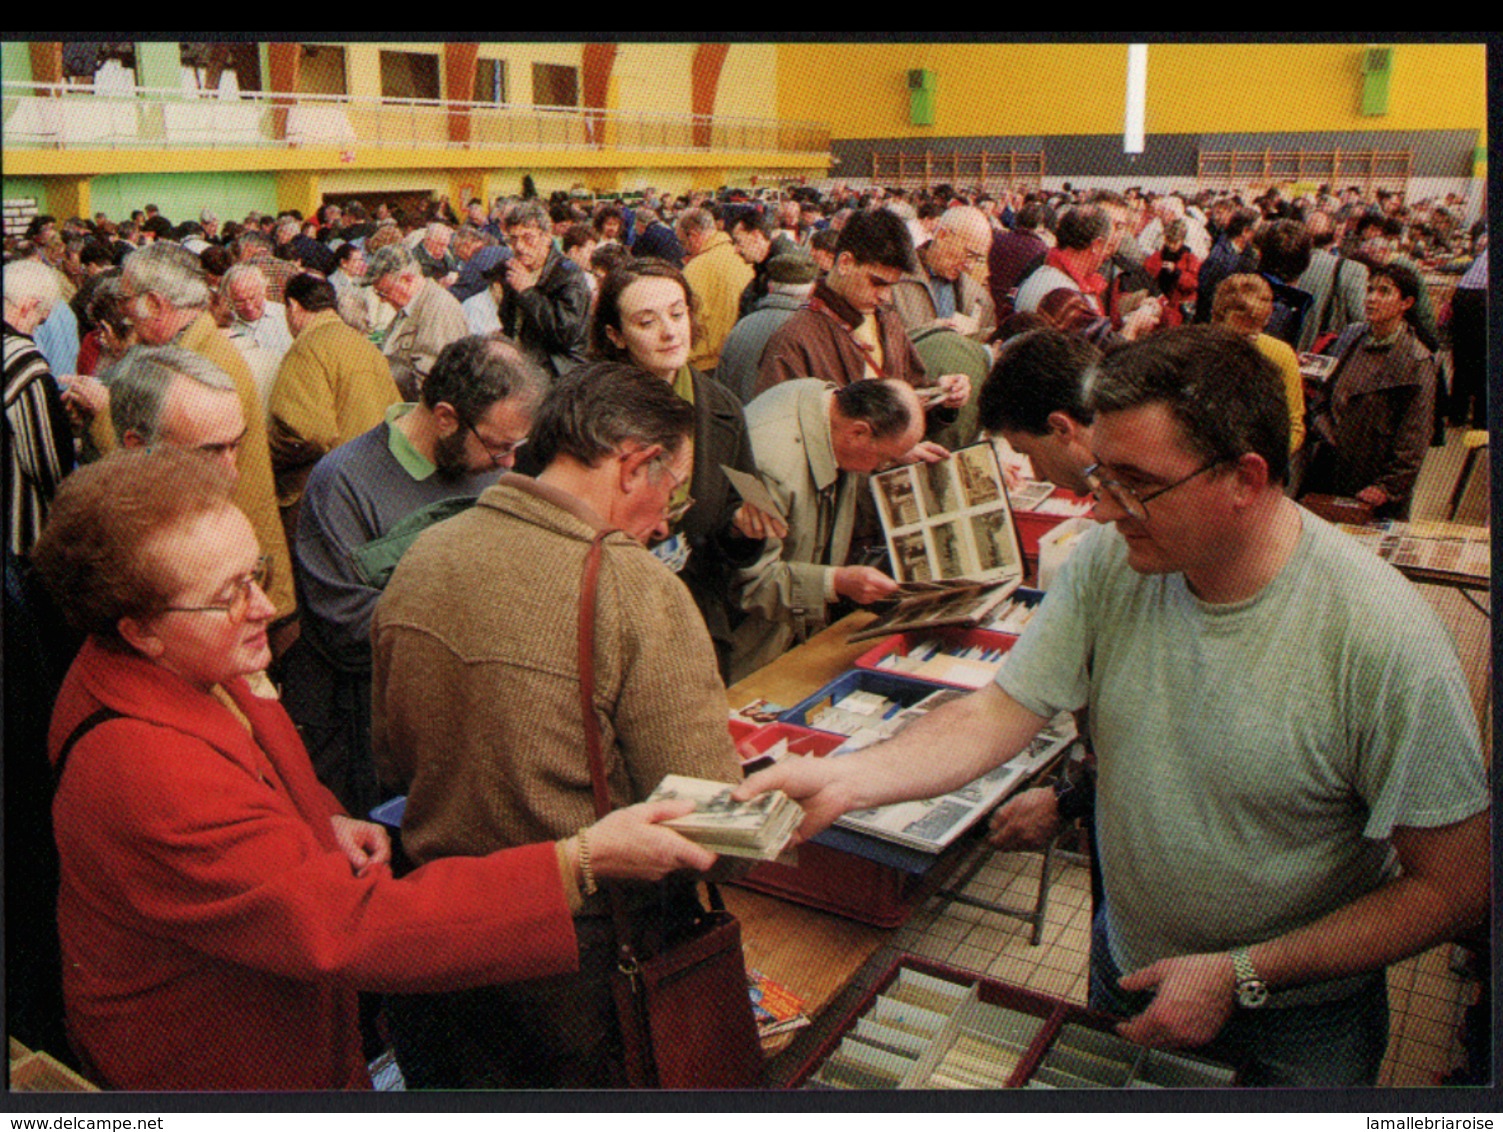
<point>1252,991</point>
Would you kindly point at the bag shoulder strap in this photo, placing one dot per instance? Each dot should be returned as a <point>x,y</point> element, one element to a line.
<point>588,585</point>
<point>89,722</point>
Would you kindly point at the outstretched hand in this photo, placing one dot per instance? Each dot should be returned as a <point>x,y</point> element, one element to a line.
<point>631,844</point>
<point>814,783</point>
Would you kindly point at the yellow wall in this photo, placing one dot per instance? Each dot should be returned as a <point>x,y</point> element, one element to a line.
<point>1197,88</point>
<point>861,89</point>
<point>1053,89</point>
<point>651,78</point>
<point>749,82</point>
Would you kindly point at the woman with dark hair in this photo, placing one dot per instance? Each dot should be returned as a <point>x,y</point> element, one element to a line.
<point>1372,425</point>
<point>218,910</point>
<point>644,314</point>
<point>609,222</point>
<point>1176,269</point>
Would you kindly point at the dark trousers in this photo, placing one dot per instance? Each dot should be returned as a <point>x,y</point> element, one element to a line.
<point>332,710</point>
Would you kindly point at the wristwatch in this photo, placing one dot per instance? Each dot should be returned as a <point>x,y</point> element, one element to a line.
<point>1252,991</point>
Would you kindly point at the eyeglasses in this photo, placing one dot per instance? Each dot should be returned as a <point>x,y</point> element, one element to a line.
<point>239,604</point>
<point>528,236</point>
<point>498,452</point>
<point>678,510</point>
<point>1134,504</point>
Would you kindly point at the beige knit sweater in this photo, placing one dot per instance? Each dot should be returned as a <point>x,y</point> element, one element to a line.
<point>476,689</point>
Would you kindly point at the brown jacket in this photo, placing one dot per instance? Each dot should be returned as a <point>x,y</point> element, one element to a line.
<point>1379,417</point>
<point>818,343</point>
<point>476,691</point>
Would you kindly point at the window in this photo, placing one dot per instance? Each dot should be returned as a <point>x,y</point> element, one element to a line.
<point>321,70</point>
<point>555,85</point>
<point>208,62</point>
<point>409,74</point>
<point>490,80</point>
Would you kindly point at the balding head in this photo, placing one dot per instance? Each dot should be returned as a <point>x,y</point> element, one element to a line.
<point>873,424</point>
<point>963,236</point>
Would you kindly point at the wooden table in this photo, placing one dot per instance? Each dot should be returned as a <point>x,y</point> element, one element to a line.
<point>812,953</point>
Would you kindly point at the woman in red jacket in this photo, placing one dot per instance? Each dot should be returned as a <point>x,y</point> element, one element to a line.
<point>1176,269</point>
<point>218,911</point>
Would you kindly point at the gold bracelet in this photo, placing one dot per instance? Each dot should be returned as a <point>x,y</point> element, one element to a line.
<point>586,873</point>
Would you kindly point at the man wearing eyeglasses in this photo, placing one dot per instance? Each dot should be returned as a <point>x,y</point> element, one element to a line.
<point>545,306</point>
<point>942,293</point>
<point>1279,721</point>
<point>363,506</point>
<point>476,699</point>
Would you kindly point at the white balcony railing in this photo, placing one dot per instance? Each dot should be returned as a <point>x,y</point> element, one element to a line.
<point>39,115</point>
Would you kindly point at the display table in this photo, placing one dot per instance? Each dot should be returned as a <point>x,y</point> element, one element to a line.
<point>812,953</point>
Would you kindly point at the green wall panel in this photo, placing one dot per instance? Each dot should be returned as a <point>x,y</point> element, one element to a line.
<point>15,61</point>
<point>180,196</point>
<point>16,187</point>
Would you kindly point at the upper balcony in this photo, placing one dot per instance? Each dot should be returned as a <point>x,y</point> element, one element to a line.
<point>57,128</point>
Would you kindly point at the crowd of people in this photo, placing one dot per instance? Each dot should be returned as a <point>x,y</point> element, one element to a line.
<point>298,511</point>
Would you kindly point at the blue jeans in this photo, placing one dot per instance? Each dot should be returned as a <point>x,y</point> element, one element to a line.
<point>1327,1045</point>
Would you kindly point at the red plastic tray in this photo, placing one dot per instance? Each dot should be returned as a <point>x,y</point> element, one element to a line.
<point>826,878</point>
<point>1034,525</point>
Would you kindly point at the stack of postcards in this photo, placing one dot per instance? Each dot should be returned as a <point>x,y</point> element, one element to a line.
<point>759,828</point>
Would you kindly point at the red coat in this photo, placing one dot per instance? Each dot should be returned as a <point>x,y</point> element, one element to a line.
<point>213,934</point>
<point>1186,283</point>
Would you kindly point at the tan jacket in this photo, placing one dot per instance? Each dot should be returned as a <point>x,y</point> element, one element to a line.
<point>915,304</point>
<point>332,386</point>
<point>419,333</point>
<point>255,491</point>
<point>475,697</point>
<point>717,276</point>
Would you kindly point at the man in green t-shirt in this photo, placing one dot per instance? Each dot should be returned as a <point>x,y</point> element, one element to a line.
<point>1278,720</point>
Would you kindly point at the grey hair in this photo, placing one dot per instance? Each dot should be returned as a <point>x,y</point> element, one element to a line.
<point>529,214</point>
<point>437,229</point>
<point>241,271</point>
<point>251,240</point>
<point>141,380</point>
<point>795,290</point>
<point>393,259</point>
<point>695,220</point>
<point>32,279</point>
<point>170,271</point>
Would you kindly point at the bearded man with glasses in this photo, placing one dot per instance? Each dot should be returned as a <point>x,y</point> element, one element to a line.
<point>1278,718</point>
<point>364,504</point>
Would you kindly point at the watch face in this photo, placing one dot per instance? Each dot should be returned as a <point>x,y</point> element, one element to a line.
<point>1251,993</point>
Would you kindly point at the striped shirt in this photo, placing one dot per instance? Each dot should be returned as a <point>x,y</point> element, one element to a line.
<point>38,440</point>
